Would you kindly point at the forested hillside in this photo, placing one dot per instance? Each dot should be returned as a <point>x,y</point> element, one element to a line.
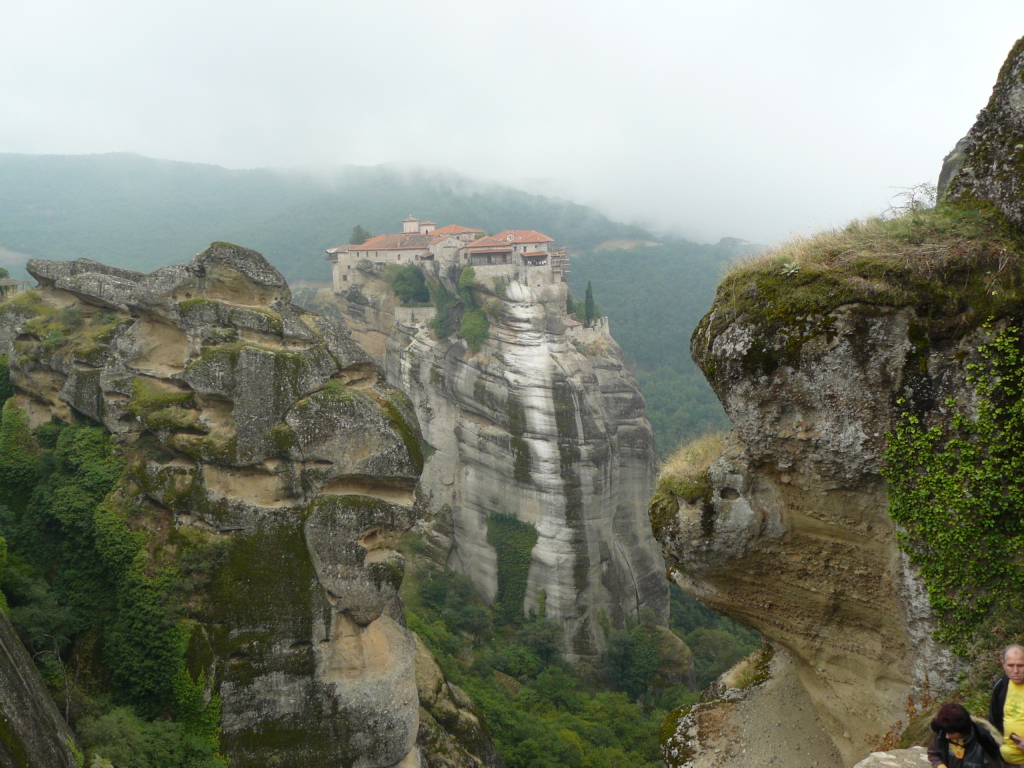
<point>654,296</point>
<point>142,213</point>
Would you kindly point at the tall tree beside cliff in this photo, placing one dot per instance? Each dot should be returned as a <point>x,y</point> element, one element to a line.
<point>589,308</point>
<point>653,297</point>
<point>359,235</point>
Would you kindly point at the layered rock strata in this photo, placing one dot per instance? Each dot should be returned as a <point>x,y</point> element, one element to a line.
<point>248,418</point>
<point>544,423</point>
<point>792,535</point>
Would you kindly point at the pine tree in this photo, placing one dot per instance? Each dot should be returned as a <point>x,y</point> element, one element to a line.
<point>359,235</point>
<point>589,308</point>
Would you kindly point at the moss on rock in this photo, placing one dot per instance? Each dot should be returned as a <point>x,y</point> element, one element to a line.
<point>956,265</point>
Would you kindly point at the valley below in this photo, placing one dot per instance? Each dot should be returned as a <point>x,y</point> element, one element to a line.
<point>426,506</point>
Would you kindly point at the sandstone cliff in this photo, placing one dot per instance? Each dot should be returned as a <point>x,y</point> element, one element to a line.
<point>248,419</point>
<point>545,424</point>
<point>817,352</point>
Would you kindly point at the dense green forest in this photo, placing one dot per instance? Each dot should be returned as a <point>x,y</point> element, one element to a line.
<point>101,612</point>
<point>542,711</point>
<point>137,212</point>
<point>654,296</point>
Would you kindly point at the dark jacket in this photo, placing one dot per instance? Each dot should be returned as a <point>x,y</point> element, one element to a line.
<point>995,707</point>
<point>980,751</point>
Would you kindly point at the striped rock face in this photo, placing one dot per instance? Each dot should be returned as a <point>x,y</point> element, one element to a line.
<point>544,424</point>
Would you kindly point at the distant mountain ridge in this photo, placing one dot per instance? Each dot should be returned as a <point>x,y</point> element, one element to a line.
<point>140,212</point>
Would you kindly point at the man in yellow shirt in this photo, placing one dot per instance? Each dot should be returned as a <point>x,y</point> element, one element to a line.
<point>1006,710</point>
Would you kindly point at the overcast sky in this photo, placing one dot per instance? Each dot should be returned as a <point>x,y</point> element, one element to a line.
<point>733,117</point>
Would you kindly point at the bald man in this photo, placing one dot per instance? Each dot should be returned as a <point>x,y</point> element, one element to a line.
<point>1006,711</point>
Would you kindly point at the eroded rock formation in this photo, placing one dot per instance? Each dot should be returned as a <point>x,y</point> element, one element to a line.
<point>453,733</point>
<point>788,530</point>
<point>247,417</point>
<point>792,535</point>
<point>543,423</point>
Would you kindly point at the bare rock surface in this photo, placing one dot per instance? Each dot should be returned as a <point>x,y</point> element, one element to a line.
<point>250,419</point>
<point>793,535</point>
<point>543,423</point>
<point>915,757</point>
<point>988,163</point>
<point>770,723</point>
<point>32,732</point>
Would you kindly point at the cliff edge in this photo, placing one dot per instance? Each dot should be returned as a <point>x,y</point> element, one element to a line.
<point>540,422</point>
<point>867,374</point>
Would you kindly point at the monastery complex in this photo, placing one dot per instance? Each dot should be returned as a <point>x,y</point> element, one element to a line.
<point>529,254</point>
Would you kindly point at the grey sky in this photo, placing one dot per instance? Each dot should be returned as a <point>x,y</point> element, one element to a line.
<point>735,117</point>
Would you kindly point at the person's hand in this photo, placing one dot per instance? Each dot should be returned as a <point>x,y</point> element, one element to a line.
<point>1017,740</point>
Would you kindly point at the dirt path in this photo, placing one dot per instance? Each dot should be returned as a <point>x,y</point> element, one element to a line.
<point>775,724</point>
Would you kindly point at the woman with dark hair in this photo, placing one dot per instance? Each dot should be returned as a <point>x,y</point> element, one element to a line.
<point>959,742</point>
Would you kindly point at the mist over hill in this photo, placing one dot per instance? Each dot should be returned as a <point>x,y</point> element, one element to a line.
<point>139,212</point>
<point>143,213</point>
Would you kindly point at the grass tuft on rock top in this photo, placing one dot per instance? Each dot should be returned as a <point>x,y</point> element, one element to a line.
<point>684,476</point>
<point>957,265</point>
<point>685,471</point>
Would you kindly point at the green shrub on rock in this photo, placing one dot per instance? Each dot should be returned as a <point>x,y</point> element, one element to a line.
<point>958,494</point>
<point>474,329</point>
<point>409,285</point>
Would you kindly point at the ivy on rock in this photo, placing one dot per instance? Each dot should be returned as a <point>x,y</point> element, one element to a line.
<point>958,495</point>
<point>513,541</point>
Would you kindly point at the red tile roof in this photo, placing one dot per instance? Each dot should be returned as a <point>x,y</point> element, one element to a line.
<point>523,236</point>
<point>393,243</point>
<point>437,238</point>
<point>489,244</point>
<point>454,229</point>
